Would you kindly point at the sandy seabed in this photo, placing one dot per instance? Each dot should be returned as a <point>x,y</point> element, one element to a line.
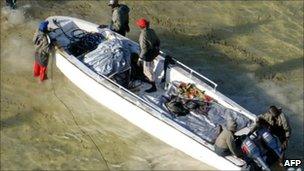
<point>253,50</point>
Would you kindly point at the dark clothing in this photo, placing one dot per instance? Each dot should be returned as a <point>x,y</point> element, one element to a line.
<point>11,3</point>
<point>120,19</point>
<point>42,48</point>
<point>278,126</point>
<point>149,45</point>
<point>137,72</point>
<point>121,32</point>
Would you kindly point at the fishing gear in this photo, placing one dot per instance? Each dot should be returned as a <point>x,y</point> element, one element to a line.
<point>81,41</point>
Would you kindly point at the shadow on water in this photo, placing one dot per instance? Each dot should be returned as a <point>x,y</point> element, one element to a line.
<point>226,32</point>
<point>216,36</point>
<point>282,67</point>
<point>17,120</point>
<point>235,81</point>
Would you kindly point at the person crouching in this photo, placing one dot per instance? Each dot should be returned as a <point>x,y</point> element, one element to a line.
<point>42,44</point>
<point>149,50</point>
<point>225,142</point>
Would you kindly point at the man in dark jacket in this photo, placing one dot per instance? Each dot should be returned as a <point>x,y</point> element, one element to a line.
<point>42,44</point>
<point>225,142</point>
<point>149,50</point>
<point>120,17</point>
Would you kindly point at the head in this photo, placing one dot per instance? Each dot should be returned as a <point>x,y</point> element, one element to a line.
<point>182,85</point>
<point>43,26</point>
<point>191,86</point>
<point>142,23</point>
<point>231,125</point>
<point>113,3</point>
<point>274,111</point>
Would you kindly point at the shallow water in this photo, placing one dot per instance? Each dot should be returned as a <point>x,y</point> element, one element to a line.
<point>254,50</point>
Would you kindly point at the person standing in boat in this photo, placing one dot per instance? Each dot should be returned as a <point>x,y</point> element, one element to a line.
<point>42,44</point>
<point>149,50</point>
<point>277,123</point>
<point>120,17</point>
<point>225,142</point>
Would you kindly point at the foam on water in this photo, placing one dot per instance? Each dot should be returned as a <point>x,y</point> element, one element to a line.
<point>15,17</point>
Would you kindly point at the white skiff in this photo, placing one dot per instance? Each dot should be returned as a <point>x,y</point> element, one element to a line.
<point>136,106</point>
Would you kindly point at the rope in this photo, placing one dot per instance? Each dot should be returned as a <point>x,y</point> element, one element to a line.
<point>74,118</point>
<point>81,41</point>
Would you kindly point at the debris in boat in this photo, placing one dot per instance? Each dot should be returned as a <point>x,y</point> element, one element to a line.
<point>186,97</point>
<point>84,42</point>
<point>81,41</point>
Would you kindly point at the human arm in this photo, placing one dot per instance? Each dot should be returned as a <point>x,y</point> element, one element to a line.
<point>144,45</point>
<point>127,23</point>
<point>286,127</point>
<point>157,42</point>
<point>116,20</point>
<point>35,37</point>
<point>231,145</point>
<point>265,120</point>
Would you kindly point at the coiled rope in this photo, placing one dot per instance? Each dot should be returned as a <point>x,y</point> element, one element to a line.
<point>81,41</point>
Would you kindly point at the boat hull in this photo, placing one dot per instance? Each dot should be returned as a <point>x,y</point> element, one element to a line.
<point>139,117</point>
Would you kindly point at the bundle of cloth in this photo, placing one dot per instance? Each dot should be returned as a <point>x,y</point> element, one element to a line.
<point>185,100</point>
<point>109,58</point>
<point>186,97</point>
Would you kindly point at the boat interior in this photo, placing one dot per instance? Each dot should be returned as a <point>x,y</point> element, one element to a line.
<point>207,126</point>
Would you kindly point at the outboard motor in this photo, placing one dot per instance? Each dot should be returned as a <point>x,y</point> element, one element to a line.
<point>270,141</point>
<point>254,152</point>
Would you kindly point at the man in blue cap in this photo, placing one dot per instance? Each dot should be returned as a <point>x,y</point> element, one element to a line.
<point>120,17</point>
<point>42,44</point>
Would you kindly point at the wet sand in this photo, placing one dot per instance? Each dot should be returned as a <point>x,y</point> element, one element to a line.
<point>253,50</point>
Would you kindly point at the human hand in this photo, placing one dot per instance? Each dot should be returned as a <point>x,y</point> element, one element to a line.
<point>128,28</point>
<point>139,62</point>
<point>284,145</point>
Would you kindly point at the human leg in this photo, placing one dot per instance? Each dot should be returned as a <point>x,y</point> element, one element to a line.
<point>36,69</point>
<point>43,75</point>
<point>221,151</point>
<point>149,73</point>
